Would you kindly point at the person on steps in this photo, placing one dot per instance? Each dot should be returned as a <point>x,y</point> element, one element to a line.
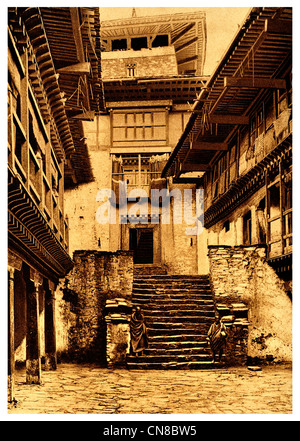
<point>217,337</point>
<point>138,332</point>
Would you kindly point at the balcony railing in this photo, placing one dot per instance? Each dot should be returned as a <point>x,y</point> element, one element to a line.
<point>134,180</point>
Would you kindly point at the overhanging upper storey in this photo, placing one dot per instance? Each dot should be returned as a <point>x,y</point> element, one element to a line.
<point>64,58</point>
<point>154,58</point>
<point>185,32</point>
<point>74,38</point>
<point>253,64</point>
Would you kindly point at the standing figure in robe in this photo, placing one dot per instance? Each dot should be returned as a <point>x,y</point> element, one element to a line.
<point>217,338</point>
<point>138,332</point>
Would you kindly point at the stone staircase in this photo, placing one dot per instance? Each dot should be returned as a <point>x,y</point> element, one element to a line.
<point>178,312</point>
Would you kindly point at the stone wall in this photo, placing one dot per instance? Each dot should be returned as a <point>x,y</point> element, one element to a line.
<point>97,277</point>
<point>153,62</point>
<point>242,275</point>
<point>178,243</point>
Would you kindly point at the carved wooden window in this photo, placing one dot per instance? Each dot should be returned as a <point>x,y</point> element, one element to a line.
<point>257,125</point>
<point>139,128</point>
<point>284,96</point>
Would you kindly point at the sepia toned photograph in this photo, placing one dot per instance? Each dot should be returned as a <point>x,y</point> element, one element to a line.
<point>150,212</point>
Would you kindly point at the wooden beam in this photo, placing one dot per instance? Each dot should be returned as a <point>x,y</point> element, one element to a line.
<point>185,30</point>
<point>148,103</point>
<point>199,145</point>
<point>84,116</point>
<point>189,167</point>
<point>74,13</point>
<point>187,60</point>
<point>76,26</point>
<point>229,119</point>
<point>277,26</point>
<point>249,82</point>
<point>187,44</point>
<point>80,68</point>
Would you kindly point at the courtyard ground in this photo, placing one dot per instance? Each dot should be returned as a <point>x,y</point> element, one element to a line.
<point>90,389</point>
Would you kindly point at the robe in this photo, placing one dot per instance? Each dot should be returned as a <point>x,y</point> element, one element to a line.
<point>217,336</point>
<point>138,332</point>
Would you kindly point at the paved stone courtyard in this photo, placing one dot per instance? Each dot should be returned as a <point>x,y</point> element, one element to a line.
<point>90,389</point>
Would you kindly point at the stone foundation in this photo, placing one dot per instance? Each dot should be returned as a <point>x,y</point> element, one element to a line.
<point>117,319</point>
<point>242,275</point>
<point>235,318</point>
<point>96,277</point>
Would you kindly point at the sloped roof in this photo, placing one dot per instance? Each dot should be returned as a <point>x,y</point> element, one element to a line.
<point>187,31</point>
<point>74,37</point>
<point>252,63</point>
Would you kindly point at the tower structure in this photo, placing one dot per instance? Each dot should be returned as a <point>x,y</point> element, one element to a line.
<point>152,71</point>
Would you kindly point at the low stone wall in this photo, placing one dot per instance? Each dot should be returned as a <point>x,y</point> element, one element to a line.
<point>118,314</point>
<point>96,277</point>
<point>241,275</point>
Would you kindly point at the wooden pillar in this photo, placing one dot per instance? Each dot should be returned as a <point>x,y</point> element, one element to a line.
<point>50,332</point>
<point>33,359</point>
<point>267,213</point>
<point>14,263</point>
<point>11,334</point>
<point>281,207</point>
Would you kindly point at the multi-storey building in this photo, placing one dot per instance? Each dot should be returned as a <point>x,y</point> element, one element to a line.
<point>152,71</point>
<point>240,137</point>
<point>94,147</point>
<point>53,83</point>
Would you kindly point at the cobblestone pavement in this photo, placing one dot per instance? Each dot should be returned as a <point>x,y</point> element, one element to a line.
<point>88,389</point>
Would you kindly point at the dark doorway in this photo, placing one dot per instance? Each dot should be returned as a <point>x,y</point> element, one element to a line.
<point>141,242</point>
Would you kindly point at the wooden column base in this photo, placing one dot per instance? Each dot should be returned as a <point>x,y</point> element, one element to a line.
<point>50,362</point>
<point>33,371</point>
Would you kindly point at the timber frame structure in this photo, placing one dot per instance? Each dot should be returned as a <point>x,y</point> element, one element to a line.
<point>54,82</point>
<point>186,33</point>
<point>239,134</point>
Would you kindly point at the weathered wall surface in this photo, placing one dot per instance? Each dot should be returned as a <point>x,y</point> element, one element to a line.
<point>179,246</point>
<point>81,202</point>
<point>172,246</point>
<point>64,319</point>
<point>96,277</point>
<point>241,274</point>
<point>153,62</point>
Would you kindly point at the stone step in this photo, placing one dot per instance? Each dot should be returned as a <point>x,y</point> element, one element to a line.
<point>166,358</point>
<point>178,312</point>
<point>173,365</point>
<point>167,291</point>
<point>170,296</point>
<point>162,298</point>
<point>177,338</point>
<point>171,320</point>
<point>146,304</point>
<point>194,350</point>
<point>148,269</point>
<point>181,345</point>
<point>197,312</point>
<point>177,328</point>
<point>170,283</point>
<point>177,301</point>
<point>185,292</point>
